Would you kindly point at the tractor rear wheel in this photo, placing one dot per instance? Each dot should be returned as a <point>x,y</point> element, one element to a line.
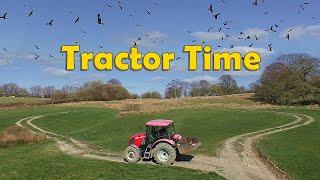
<point>164,154</point>
<point>132,154</point>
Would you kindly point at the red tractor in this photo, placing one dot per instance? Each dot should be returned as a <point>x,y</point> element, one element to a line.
<point>161,142</point>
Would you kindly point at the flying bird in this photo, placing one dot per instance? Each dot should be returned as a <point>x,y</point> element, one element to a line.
<point>99,19</point>
<point>270,47</point>
<point>49,23</point>
<point>226,23</point>
<point>288,36</point>
<point>216,15</point>
<point>36,56</point>
<point>37,47</point>
<point>30,14</point>
<point>109,5</point>
<point>210,8</point>
<point>148,12</point>
<point>4,16</point>
<point>77,20</point>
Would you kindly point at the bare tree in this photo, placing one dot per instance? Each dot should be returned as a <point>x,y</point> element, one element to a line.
<point>48,91</point>
<point>174,89</point>
<point>36,91</point>
<point>228,85</point>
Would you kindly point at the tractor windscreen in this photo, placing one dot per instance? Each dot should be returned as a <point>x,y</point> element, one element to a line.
<point>171,130</point>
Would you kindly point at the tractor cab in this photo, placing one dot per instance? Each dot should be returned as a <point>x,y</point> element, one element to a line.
<point>159,129</point>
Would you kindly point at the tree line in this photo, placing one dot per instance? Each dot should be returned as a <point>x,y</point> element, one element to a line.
<point>226,85</point>
<point>88,91</point>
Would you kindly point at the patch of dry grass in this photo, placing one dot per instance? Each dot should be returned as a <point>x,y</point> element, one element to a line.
<point>15,135</point>
<point>134,106</point>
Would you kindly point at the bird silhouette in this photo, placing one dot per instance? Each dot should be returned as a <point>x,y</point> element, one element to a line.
<point>148,12</point>
<point>30,14</point>
<point>210,8</point>
<point>99,19</point>
<point>37,47</point>
<point>77,20</point>
<point>36,56</point>
<point>109,5</point>
<point>288,36</point>
<point>216,15</point>
<point>4,16</point>
<point>5,49</point>
<point>226,23</point>
<point>50,23</point>
<point>270,47</point>
<point>250,45</point>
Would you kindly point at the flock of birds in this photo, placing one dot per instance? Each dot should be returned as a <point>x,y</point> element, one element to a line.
<point>225,26</point>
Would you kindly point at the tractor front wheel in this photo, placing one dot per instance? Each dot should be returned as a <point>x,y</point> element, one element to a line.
<point>164,154</point>
<point>132,154</point>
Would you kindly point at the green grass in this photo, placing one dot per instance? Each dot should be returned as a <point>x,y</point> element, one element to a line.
<point>297,151</point>
<point>44,161</point>
<point>102,127</point>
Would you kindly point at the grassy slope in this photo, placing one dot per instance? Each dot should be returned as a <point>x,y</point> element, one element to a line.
<point>297,151</point>
<point>44,161</point>
<point>102,127</point>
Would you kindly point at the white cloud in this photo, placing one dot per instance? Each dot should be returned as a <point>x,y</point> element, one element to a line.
<point>243,73</point>
<point>150,40</point>
<point>314,30</point>
<point>57,72</point>
<point>179,68</point>
<point>157,78</point>
<point>245,49</point>
<point>208,36</point>
<point>203,77</point>
<point>252,32</point>
<point>298,32</point>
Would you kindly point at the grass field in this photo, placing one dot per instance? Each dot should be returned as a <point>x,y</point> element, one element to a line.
<point>212,120</point>
<point>45,161</point>
<point>297,151</point>
<point>102,127</point>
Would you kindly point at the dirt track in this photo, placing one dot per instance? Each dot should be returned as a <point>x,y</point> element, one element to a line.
<point>237,159</point>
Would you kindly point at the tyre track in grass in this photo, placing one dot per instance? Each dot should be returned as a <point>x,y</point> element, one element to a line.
<point>237,159</point>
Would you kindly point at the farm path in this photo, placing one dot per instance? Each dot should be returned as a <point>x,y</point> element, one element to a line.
<point>237,159</point>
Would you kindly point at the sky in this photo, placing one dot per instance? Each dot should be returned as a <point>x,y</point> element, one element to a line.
<point>171,25</point>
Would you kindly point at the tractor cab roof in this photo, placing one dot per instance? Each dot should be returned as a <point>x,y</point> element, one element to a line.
<point>159,122</point>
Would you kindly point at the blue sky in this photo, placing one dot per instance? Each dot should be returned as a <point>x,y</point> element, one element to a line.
<point>168,24</point>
